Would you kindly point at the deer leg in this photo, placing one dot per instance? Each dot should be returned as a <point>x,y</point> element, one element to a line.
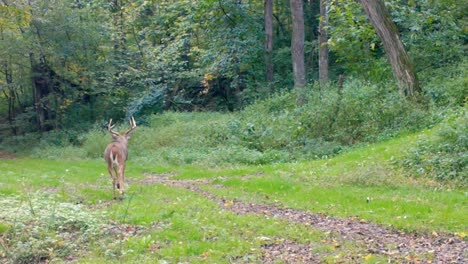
<point>122,179</point>
<point>113,185</point>
<point>111,172</point>
<point>120,182</point>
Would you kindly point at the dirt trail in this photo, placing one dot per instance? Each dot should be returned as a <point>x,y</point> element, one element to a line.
<point>6,155</point>
<point>394,245</point>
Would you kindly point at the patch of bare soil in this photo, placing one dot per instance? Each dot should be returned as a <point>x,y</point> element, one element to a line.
<point>123,230</point>
<point>394,245</point>
<point>6,155</point>
<point>289,252</point>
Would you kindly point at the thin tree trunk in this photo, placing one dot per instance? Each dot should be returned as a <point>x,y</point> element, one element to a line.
<point>42,84</point>
<point>297,49</point>
<point>403,69</point>
<point>310,9</point>
<point>117,11</point>
<point>269,41</point>
<point>323,43</point>
<point>11,94</point>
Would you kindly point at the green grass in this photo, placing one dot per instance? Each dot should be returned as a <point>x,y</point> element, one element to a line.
<point>342,186</point>
<point>178,225</point>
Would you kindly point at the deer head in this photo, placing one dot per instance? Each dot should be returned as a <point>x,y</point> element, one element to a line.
<point>116,155</point>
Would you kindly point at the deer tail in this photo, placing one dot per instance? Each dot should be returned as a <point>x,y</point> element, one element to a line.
<point>115,165</point>
<point>113,158</point>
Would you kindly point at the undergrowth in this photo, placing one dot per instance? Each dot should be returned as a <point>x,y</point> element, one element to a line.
<point>443,156</point>
<point>38,229</point>
<point>273,130</point>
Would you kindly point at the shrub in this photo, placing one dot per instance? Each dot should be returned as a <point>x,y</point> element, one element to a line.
<point>95,143</point>
<point>443,157</point>
<point>331,120</point>
<point>268,131</point>
<point>452,90</point>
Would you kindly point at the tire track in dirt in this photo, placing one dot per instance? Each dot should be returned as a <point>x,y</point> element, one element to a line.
<point>393,244</point>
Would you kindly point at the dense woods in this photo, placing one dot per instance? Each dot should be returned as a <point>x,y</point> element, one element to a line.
<point>74,62</point>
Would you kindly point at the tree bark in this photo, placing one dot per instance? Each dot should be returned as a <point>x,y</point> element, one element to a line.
<point>297,49</point>
<point>402,68</point>
<point>10,95</point>
<point>269,41</point>
<point>323,43</point>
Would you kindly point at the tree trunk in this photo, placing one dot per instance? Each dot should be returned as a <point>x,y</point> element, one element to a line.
<point>119,39</point>
<point>42,84</point>
<point>403,69</point>
<point>323,43</point>
<point>10,95</point>
<point>297,49</point>
<point>269,41</point>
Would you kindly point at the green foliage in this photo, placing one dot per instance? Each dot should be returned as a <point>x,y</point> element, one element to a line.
<point>444,156</point>
<point>448,86</point>
<point>95,143</point>
<point>353,41</point>
<point>269,131</point>
<point>143,57</point>
<point>432,30</point>
<point>330,121</point>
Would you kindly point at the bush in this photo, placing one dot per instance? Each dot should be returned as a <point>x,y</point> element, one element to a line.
<point>452,89</point>
<point>331,121</point>
<point>95,143</point>
<point>445,156</point>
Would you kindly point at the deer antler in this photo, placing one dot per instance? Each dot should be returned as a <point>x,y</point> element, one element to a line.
<point>132,126</point>
<point>110,127</point>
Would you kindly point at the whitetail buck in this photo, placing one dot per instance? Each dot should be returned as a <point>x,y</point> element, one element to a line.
<point>116,154</point>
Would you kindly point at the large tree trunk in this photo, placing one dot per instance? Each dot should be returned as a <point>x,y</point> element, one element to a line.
<point>269,40</point>
<point>403,69</point>
<point>297,49</point>
<point>323,43</point>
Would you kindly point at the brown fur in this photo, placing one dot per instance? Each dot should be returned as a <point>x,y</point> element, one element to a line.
<point>116,155</point>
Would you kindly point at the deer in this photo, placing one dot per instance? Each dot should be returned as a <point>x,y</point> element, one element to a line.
<point>116,155</point>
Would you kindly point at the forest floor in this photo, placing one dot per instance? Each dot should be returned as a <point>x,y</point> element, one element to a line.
<point>392,244</point>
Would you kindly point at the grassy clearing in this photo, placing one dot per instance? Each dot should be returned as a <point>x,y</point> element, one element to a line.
<point>166,224</point>
<point>178,225</point>
<point>361,183</point>
<point>364,164</point>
